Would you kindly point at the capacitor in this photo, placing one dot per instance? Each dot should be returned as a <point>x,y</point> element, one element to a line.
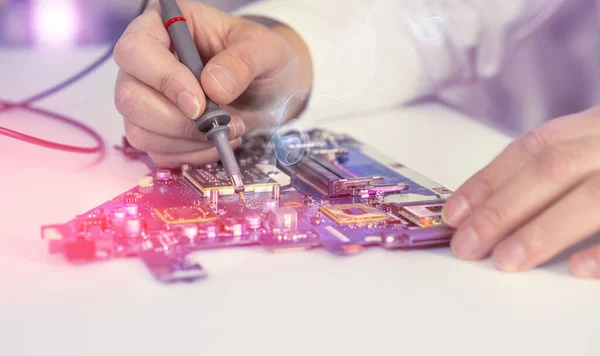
<point>284,218</point>
<point>163,174</point>
<point>190,231</point>
<point>133,227</point>
<point>253,221</point>
<point>131,210</point>
<point>185,167</point>
<point>269,204</point>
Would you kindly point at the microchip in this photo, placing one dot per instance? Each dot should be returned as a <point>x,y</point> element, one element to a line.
<point>354,213</point>
<point>424,215</point>
<point>255,181</point>
<point>435,208</point>
<point>185,215</point>
<point>442,191</point>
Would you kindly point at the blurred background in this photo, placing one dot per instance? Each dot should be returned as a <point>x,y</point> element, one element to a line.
<point>72,22</point>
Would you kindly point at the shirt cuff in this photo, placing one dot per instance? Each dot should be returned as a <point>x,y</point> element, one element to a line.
<point>333,51</point>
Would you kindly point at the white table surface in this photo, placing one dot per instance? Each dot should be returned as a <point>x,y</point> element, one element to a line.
<point>256,303</point>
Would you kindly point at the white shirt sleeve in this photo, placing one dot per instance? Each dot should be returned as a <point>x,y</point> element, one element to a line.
<point>371,55</point>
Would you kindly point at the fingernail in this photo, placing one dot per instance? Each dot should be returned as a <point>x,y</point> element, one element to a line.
<point>466,243</point>
<point>456,210</point>
<point>586,267</point>
<point>189,104</point>
<point>509,256</point>
<point>223,78</point>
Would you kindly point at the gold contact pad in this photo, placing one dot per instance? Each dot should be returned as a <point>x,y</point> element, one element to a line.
<point>354,213</point>
<point>185,215</point>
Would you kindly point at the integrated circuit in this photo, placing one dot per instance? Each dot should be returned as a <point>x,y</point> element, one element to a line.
<point>423,215</point>
<point>207,180</point>
<point>354,213</point>
<point>185,215</point>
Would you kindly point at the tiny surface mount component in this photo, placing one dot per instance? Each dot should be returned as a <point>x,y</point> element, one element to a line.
<point>340,195</point>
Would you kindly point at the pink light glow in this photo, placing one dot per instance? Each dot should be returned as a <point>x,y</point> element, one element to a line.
<point>55,22</point>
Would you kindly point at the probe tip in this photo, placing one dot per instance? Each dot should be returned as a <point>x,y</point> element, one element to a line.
<point>242,196</point>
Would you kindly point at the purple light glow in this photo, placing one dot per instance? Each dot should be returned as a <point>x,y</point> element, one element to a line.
<point>55,22</point>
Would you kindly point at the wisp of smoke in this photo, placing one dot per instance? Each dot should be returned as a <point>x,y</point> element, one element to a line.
<point>289,140</point>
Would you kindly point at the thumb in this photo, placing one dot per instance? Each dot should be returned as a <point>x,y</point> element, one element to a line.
<point>228,74</point>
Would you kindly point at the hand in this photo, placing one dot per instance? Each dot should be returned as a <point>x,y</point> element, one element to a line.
<point>252,69</point>
<point>538,197</point>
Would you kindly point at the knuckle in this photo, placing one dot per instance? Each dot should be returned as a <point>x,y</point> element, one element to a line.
<point>164,81</point>
<point>189,131</point>
<point>533,240</point>
<point>136,136</point>
<point>207,156</point>
<point>169,81</point>
<point>163,161</point>
<point>245,61</point>
<point>260,34</point>
<point>555,164</point>
<point>536,140</point>
<point>482,184</point>
<point>236,143</point>
<point>125,48</point>
<point>126,98</point>
<point>489,216</point>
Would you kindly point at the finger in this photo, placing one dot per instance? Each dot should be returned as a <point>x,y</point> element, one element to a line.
<point>149,141</point>
<point>483,184</point>
<point>572,219</point>
<point>148,108</point>
<point>143,52</point>
<point>194,158</point>
<point>257,52</point>
<point>145,107</point>
<point>586,264</point>
<point>549,176</point>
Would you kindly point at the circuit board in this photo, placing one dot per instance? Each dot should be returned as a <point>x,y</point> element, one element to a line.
<point>336,193</point>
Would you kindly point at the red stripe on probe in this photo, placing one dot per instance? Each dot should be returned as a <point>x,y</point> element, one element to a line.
<point>173,20</point>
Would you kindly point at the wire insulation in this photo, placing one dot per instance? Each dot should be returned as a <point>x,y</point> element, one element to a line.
<point>26,105</point>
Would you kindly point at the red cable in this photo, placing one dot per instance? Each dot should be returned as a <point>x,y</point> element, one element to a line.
<point>6,106</point>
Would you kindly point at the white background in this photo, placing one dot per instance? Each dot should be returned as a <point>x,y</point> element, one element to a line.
<point>256,303</point>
